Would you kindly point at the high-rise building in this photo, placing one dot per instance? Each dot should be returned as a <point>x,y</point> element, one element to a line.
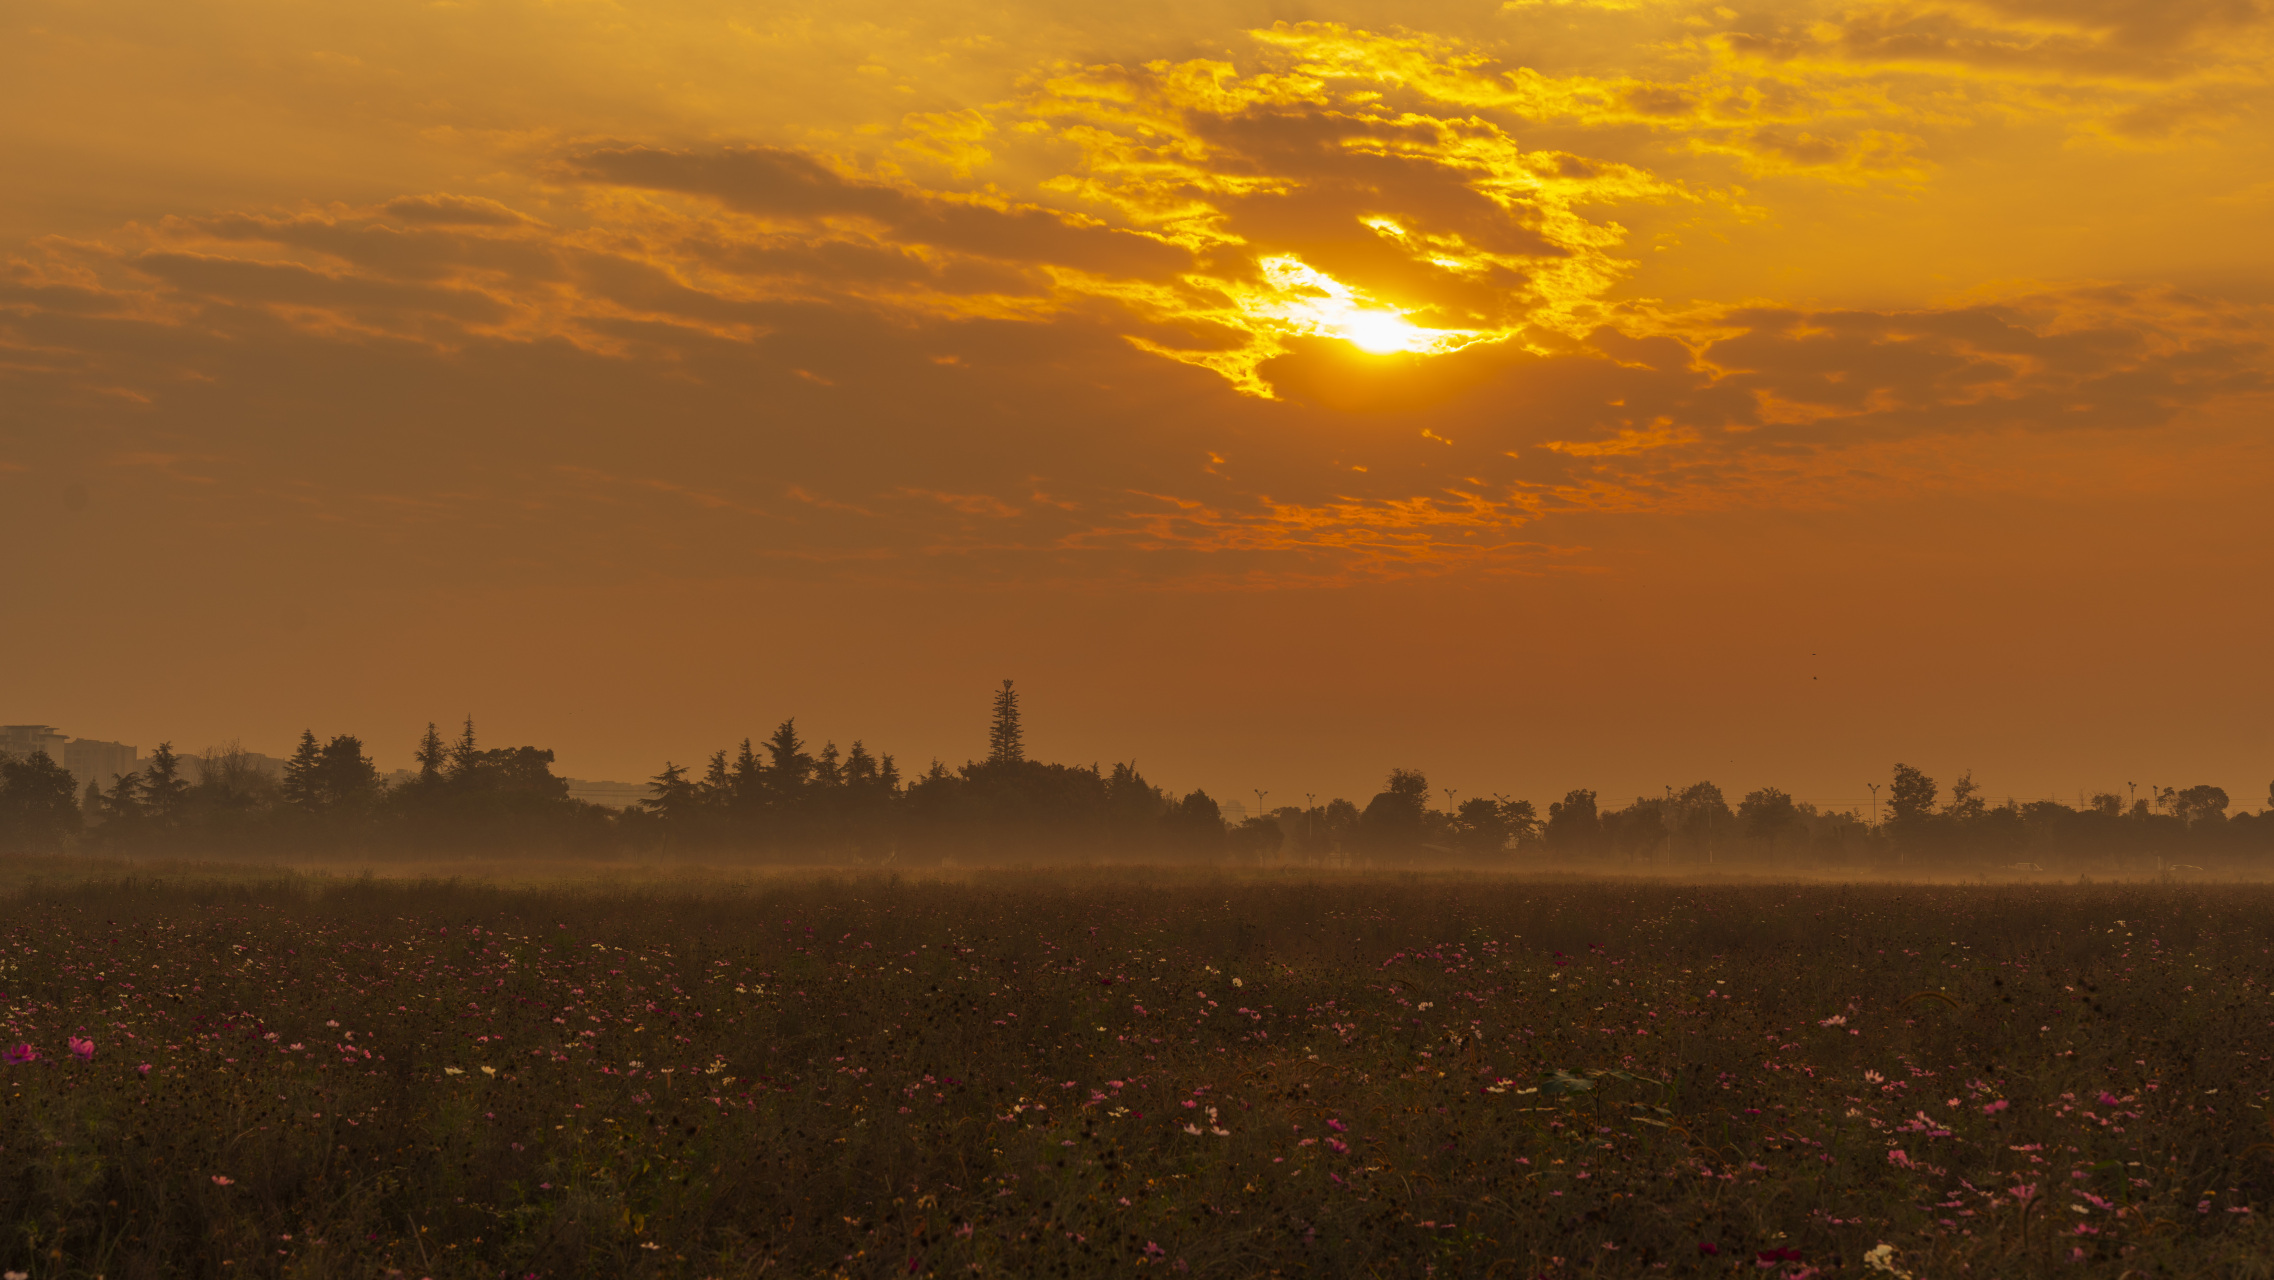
<point>92,760</point>
<point>24,739</point>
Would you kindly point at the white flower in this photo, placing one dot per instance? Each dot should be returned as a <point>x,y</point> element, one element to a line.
<point>453,1071</point>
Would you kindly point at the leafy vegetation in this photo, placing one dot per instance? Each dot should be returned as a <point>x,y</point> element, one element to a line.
<point>1039,1073</point>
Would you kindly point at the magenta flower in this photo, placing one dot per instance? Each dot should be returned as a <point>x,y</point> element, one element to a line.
<point>21,1054</point>
<point>82,1048</point>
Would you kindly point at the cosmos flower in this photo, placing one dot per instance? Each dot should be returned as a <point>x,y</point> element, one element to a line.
<point>20,1055</point>
<point>82,1048</point>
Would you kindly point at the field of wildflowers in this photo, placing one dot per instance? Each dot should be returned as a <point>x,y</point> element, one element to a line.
<point>1059,1075</point>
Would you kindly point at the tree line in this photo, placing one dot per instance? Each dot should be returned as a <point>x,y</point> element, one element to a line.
<point>782,798</point>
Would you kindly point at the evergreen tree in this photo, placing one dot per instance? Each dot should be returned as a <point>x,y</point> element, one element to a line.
<point>464,757</point>
<point>122,805</point>
<point>787,764</point>
<point>674,796</point>
<point>748,781</point>
<point>303,782</point>
<point>164,793</point>
<point>347,780</point>
<point>718,782</point>
<point>430,755</point>
<point>1006,741</point>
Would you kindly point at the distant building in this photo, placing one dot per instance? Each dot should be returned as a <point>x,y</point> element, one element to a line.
<point>96,761</point>
<point>24,739</point>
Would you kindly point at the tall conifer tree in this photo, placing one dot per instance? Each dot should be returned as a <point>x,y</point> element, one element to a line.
<point>1006,741</point>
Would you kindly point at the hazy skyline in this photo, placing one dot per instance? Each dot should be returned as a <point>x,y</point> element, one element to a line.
<point>1540,395</point>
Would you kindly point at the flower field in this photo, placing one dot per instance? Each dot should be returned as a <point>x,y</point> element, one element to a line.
<point>1063,1075</point>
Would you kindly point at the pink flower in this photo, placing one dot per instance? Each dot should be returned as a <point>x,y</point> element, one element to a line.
<point>20,1055</point>
<point>82,1048</point>
<point>223,1180</point>
<point>144,1069</point>
<point>1338,1126</point>
<point>1992,1108</point>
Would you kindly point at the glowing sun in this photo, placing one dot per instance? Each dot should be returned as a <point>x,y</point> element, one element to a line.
<point>1313,302</point>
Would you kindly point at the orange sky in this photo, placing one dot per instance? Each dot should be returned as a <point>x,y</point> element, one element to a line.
<point>1541,394</point>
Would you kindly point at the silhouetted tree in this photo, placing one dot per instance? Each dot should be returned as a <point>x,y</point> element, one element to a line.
<point>1574,827</point>
<point>2200,804</point>
<point>301,788</point>
<point>164,793</point>
<point>122,810</point>
<point>1257,838</point>
<point>1396,818</point>
<point>1478,827</point>
<point>1767,814</point>
<point>38,812</point>
<point>1196,825</point>
<point>673,799</point>
<point>431,754</point>
<point>1006,741</point>
<point>1702,818</point>
<point>787,767</point>
<point>1910,808</point>
<point>1966,803</point>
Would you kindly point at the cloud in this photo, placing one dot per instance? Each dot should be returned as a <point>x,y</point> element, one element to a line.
<point>444,209</point>
<point>1354,304</point>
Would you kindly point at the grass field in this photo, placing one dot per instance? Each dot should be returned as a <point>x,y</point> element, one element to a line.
<point>1062,1074</point>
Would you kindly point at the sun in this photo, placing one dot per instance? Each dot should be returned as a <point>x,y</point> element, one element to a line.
<point>1382,332</point>
<point>1310,301</point>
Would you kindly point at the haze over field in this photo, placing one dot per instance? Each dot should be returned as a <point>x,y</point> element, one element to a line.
<point>1550,394</point>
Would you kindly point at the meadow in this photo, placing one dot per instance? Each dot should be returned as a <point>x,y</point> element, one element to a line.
<point>1025,1073</point>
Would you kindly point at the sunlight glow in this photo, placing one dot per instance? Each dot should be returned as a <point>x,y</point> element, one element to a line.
<point>1313,302</point>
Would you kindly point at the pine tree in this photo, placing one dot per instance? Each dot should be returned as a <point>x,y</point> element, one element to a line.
<point>346,780</point>
<point>465,757</point>
<point>787,765</point>
<point>674,795</point>
<point>164,794</point>
<point>122,804</point>
<point>430,755</point>
<point>1006,742</point>
<point>749,779</point>
<point>303,779</point>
